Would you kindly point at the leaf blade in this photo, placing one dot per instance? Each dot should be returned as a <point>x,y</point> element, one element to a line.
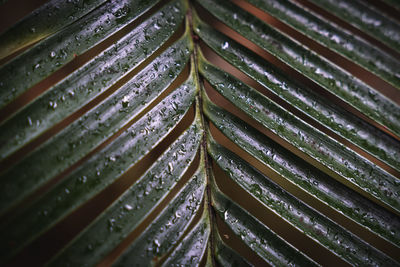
<point>335,38</point>
<point>319,185</point>
<point>329,76</point>
<point>310,222</point>
<point>338,158</point>
<point>90,80</point>
<point>38,62</point>
<point>117,157</point>
<point>175,216</point>
<point>338,120</point>
<point>128,211</point>
<point>365,18</point>
<point>263,241</point>
<point>193,247</point>
<point>15,180</point>
<point>42,22</point>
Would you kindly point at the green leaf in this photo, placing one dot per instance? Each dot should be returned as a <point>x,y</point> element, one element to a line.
<point>304,175</point>
<point>343,161</point>
<point>129,210</point>
<point>99,172</point>
<point>193,247</point>
<point>44,21</point>
<point>337,119</point>
<point>259,238</point>
<point>97,125</point>
<point>304,218</point>
<point>227,256</point>
<point>334,37</point>
<point>143,127</point>
<point>51,54</point>
<point>366,18</point>
<point>94,78</point>
<point>154,243</point>
<point>329,76</point>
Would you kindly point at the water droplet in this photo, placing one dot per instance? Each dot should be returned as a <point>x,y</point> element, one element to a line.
<point>122,12</point>
<point>225,45</point>
<point>98,29</point>
<point>53,105</point>
<point>256,189</point>
<point>128,207</point>
<point>170,167</point>
<point>125,101</point>
<point>111,222</point>
<point>194,259</point>
<point>177,216</point>
<point>83,179</point>
<point>157,26</point>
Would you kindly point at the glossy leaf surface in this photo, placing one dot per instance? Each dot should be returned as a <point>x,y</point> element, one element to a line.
<point>328,75</point>
<point>199,133</point>
<point>44,21</point>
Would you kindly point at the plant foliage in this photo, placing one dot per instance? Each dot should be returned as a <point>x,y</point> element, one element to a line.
<point>128,124</point>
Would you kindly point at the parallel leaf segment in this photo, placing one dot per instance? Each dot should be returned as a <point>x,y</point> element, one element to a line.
<point>138,94</point>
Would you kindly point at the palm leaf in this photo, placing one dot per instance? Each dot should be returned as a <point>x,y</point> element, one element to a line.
<point>138,132</point>
<point>46,20</point>
<point>366,18</point>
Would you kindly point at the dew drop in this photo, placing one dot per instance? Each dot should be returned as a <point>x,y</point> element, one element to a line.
<point>157,26</point>
<point>225,45</point>
<point>125,101</point>
<point>128,207</point>
<point>53,105</point>
<point>170,167</point>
